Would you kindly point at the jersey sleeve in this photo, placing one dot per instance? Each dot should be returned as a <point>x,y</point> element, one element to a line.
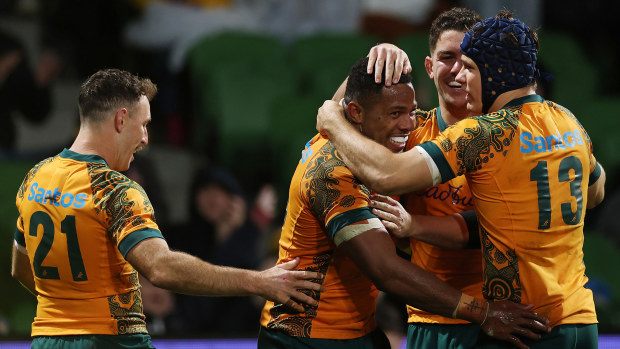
<point>468,145</point>
<point>595,167</point>
<point>132,217</point>
<point>344,204</point>
<point>445,150</point>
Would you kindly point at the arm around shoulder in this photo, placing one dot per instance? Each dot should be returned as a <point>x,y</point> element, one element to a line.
<point>376,166</point>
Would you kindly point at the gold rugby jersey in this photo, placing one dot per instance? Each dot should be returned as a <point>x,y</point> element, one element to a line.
<point>528,167</point>
<point>77,220</point>
<point>462,269</point>
<point>325,203</point>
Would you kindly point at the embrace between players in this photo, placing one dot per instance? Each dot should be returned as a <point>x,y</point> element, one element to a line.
<point>510,266</point>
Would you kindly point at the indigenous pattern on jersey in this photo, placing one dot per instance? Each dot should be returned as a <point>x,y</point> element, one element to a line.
<point>326,203</point>
<point>77,220</point>
<point>462,269</point>
<point>528,166</point>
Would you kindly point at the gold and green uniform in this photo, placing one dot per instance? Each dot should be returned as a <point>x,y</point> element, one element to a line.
<point>77,221</point>
<point>528,166</point>
<point>327,206</point>
<point>462,269</point>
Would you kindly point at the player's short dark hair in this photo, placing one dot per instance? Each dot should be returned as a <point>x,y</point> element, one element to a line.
<point>108,89</point>
<point>361,86</point>
<point>457,18</point>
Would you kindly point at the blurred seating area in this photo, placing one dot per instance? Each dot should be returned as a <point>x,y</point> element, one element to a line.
<point>240,83</point>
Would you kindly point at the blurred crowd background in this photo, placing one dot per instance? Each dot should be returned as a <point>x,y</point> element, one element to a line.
<point>240,82</point>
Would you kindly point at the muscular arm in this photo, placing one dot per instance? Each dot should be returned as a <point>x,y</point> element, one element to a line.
<point>373,252</point>
<point>183,273</point>
<point>596,190</point>
<point>376,166</point>
<point>21,270</point>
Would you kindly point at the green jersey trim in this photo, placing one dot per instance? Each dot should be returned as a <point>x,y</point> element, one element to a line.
<point>523,100</point>
<point>440,161</point>
<point>596,174</point>
<point>440,121</point>
<point>132,239</point>
<point>69,154</point>
<point>19,237</point>
<point>346,218</point>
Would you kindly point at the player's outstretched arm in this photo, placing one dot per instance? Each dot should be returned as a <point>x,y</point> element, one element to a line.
<point>183,273</point>
<point>373,252</point>
<point>282,284</point>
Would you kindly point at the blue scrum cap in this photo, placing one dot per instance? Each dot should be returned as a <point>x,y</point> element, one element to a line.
<point>505,52</point>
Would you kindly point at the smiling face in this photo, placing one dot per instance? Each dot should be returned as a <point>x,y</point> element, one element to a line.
<point>135,135</point>
<point>389,117</point>
<point>443,66</point>
<point>469,76</point>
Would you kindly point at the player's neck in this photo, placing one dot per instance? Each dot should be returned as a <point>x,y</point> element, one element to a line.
<point>508,96</point>
<point>451,113</point>
<point>90,142</point>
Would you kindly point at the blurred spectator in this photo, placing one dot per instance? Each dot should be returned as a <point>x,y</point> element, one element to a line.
<point>263,210</point>
<point>221,233</point>
<point>23,89</point>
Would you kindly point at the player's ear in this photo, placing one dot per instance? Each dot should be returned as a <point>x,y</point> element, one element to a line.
<point>428,64</point>
<point>120,119</point>
<point>355,112</point>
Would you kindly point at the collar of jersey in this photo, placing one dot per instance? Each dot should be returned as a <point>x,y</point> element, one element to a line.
<point>523,100</point>
<point>69,154</point>
<point>440,121</point>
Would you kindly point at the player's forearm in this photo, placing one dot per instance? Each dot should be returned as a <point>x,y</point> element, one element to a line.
<point>443,231</point>
<point>183,273</point>
<point>425,291</point>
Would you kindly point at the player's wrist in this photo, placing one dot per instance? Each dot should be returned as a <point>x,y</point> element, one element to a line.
<point>472,309</point>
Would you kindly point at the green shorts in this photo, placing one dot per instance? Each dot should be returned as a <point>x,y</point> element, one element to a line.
<point>271,339</point>
<point>93,341</point>
<point>457,336</point>
<point>564,336</point>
